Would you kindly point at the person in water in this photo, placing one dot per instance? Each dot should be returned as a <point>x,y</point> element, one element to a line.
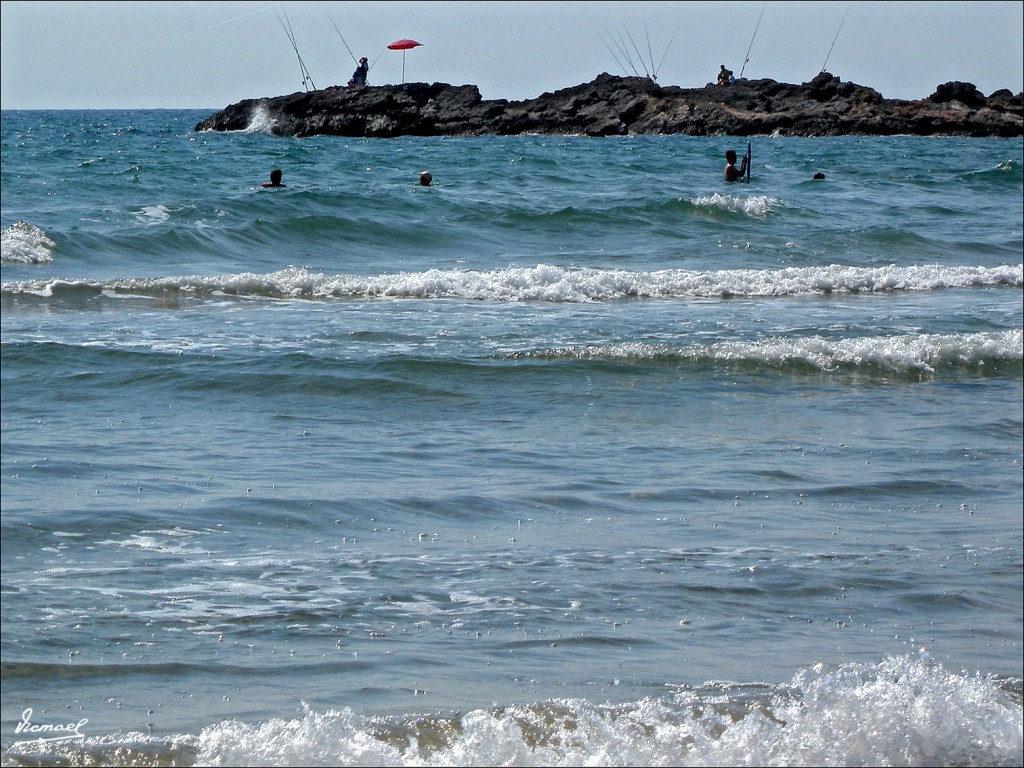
<point>425,179</point>
<point>731,173</point>
<point>358,78</point>
<point>275,179</point>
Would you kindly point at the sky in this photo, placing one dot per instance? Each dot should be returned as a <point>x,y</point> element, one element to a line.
<point>198,55</point>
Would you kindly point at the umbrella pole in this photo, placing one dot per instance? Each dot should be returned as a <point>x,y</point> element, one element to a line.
<point>403,67</point>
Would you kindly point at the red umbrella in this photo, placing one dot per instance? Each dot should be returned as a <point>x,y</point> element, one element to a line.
<point>403,45</point>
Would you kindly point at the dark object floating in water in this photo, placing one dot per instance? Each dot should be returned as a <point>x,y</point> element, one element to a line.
<point>620,106</point>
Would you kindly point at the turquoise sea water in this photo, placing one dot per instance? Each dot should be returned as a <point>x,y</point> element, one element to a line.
<point>579,455</point>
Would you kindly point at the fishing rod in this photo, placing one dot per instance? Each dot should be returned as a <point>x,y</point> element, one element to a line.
<point>836,37</point>
<point>621,65</point>
<point>295,47</point>
<point>650,69</point>
<point>620,44</point>
<point>650,52</point>
<point>747,57</point>
<point>670,40</point>
<point>638,54</point>
<point>650,55</point>
<point>343,39</point>
<point>653,74</point>
<point>291,38</point>
<point>624,50</point>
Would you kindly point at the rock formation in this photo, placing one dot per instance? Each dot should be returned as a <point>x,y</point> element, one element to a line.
<point>617,106</point>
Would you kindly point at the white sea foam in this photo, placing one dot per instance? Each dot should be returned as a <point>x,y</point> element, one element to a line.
<point>553,284</point>
<point>23,243</point>
<point>923,352</point>
<point>755,205</point>
<point>897,353</point>
<point>904,710</point>
<point>152,543</point>
<point>153,214</point>
<point>260,121</point>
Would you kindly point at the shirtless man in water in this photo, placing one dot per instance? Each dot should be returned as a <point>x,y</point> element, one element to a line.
<point>275,179</point>
<point>731,173</point>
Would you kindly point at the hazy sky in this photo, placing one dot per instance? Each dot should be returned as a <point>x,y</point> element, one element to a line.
<point>77,55</point>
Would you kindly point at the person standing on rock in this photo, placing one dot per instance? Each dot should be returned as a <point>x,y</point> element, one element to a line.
<point>725,76</point>
<point>358,79</point>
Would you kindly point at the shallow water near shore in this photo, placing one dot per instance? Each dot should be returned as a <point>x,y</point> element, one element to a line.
<point>578,455</point>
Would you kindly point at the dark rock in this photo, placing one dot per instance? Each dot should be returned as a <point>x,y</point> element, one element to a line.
<point>617,106</point>
<point>965,93</point>
<point>1004,101</point>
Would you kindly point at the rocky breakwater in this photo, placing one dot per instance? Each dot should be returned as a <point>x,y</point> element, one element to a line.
<point>617,106</point>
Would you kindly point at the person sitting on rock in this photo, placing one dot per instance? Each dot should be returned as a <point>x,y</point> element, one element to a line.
<point>358,78</point>
<point>725,76</point>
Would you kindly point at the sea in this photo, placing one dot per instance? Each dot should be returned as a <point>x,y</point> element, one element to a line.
<point>579,455</point>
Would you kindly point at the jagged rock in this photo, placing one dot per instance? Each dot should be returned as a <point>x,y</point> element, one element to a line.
<point>615,106</point>
<point>965,93</point>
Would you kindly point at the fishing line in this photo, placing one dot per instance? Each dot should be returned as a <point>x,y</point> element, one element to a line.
<point>747,57</point>
<point>836,37</point>
<point>204,29</point>
<point>342,39</point>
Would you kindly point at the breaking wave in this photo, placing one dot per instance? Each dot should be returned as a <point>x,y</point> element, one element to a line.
<point>24,243</point>
<point>542,283</point>
<point>261,121</point>
<point>756,205</point>
<point>905,710</point>
<point>899,354</point>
